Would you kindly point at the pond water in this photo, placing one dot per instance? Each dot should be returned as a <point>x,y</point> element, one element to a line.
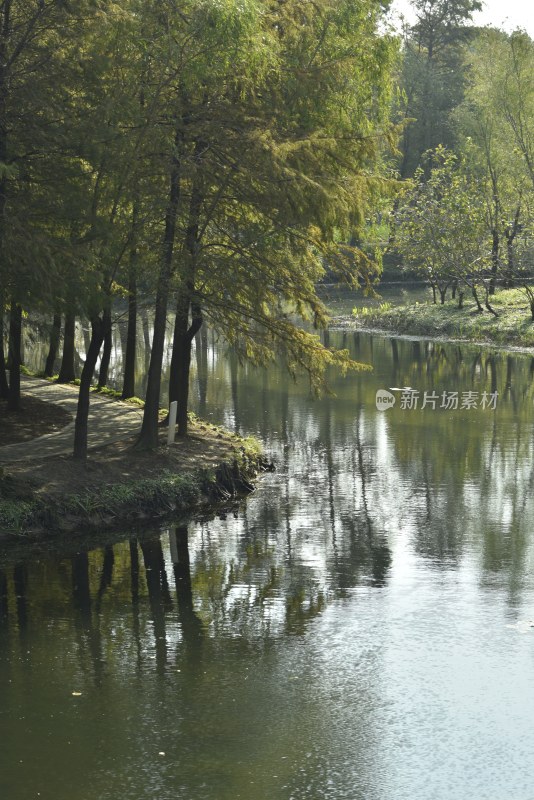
<point>360,628</point>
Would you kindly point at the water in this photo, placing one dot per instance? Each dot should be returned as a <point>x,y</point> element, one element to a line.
<point>361,628</point>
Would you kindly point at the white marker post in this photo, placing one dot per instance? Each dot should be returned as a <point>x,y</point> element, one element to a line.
<point>173,410</point>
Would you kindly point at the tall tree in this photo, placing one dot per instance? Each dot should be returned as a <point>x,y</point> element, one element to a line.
<point>276,160</point>
<point>433,77</point>
<point>496,121</point>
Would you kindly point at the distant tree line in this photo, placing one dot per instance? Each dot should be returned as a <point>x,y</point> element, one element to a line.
<point>465,220</point>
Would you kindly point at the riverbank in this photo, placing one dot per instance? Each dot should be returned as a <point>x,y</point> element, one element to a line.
<point>118,485</point>
<point>511,327</point>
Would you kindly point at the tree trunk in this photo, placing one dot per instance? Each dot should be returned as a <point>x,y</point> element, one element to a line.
<point>477,301</point>
<point>146,336</point>
<point>55,334</point>
<point>511,233</point>
<point>128,386</point>
<point>4,386</point>
<point>148,438</point>
<point>98,332</point>
<point>434,295</point>
<point>532,310</point>
<point>494,259</point>
<point>442,295</point>
<point>5,30</point>
<point>488,304</point>
<point>183,336</point>
<point>15,341</point>
<point>460,299</point>
<point>201,352</point>
<point>106,353</point>
<point>181,360</point>
<point>66,371</point>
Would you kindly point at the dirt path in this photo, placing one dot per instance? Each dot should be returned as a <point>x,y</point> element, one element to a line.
<point>109,421</point>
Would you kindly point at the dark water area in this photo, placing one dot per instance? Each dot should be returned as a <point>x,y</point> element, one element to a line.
<point>361,627</point>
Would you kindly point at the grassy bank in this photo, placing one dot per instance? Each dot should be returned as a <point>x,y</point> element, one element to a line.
<point>119,485</point>
<point>512,325</point>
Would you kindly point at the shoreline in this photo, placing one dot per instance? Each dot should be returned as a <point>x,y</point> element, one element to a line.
<point>511,331</point>
<point>349,324</point>
<point>56,497</point>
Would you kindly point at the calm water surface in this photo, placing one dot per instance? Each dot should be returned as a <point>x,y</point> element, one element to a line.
<point>361,628</point>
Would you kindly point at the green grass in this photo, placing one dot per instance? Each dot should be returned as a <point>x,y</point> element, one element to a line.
<point>117,504</point>
<point>167,492</point>
<point>512,326</point>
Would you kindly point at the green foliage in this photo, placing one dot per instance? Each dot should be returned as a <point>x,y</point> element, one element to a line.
<point>440,226</point>
<point>432,77</point>
<point>272,120</point>
<point>512,326</point>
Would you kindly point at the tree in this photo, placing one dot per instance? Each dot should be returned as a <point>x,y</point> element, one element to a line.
<point>496,119</point>
<point>433,77</point>
<point>278,127</point>
<point>441,226</point>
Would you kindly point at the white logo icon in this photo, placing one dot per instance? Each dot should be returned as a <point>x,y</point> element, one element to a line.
<point>384,400</point>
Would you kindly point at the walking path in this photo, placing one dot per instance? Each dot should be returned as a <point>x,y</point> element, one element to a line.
<point>109,421</point>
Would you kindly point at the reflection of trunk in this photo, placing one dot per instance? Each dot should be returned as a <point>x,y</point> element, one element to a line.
<point>490,363</point>
<point>15,342</point>
<point>134,576</point>
<point>4,386</point>
<point>134,571</point>
<point>98,331</point>
<point>191,625</point>
<point>20,579</point>
<point>81,592</point>
<point>476,365</point>
<point>148,438</point>
<point>66,370</point>
<point>380,554</point>
<point>106,576</point>
<point>106,352</point>
<point>417,357</point>
<point>156,580</point>
<point>509,370</point>
<point>55,333</point>
<point>4,605</point>
<point>81,600</point>
<point>395,358</point>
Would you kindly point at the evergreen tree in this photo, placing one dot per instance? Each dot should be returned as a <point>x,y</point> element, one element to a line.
<point>433,77</point>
